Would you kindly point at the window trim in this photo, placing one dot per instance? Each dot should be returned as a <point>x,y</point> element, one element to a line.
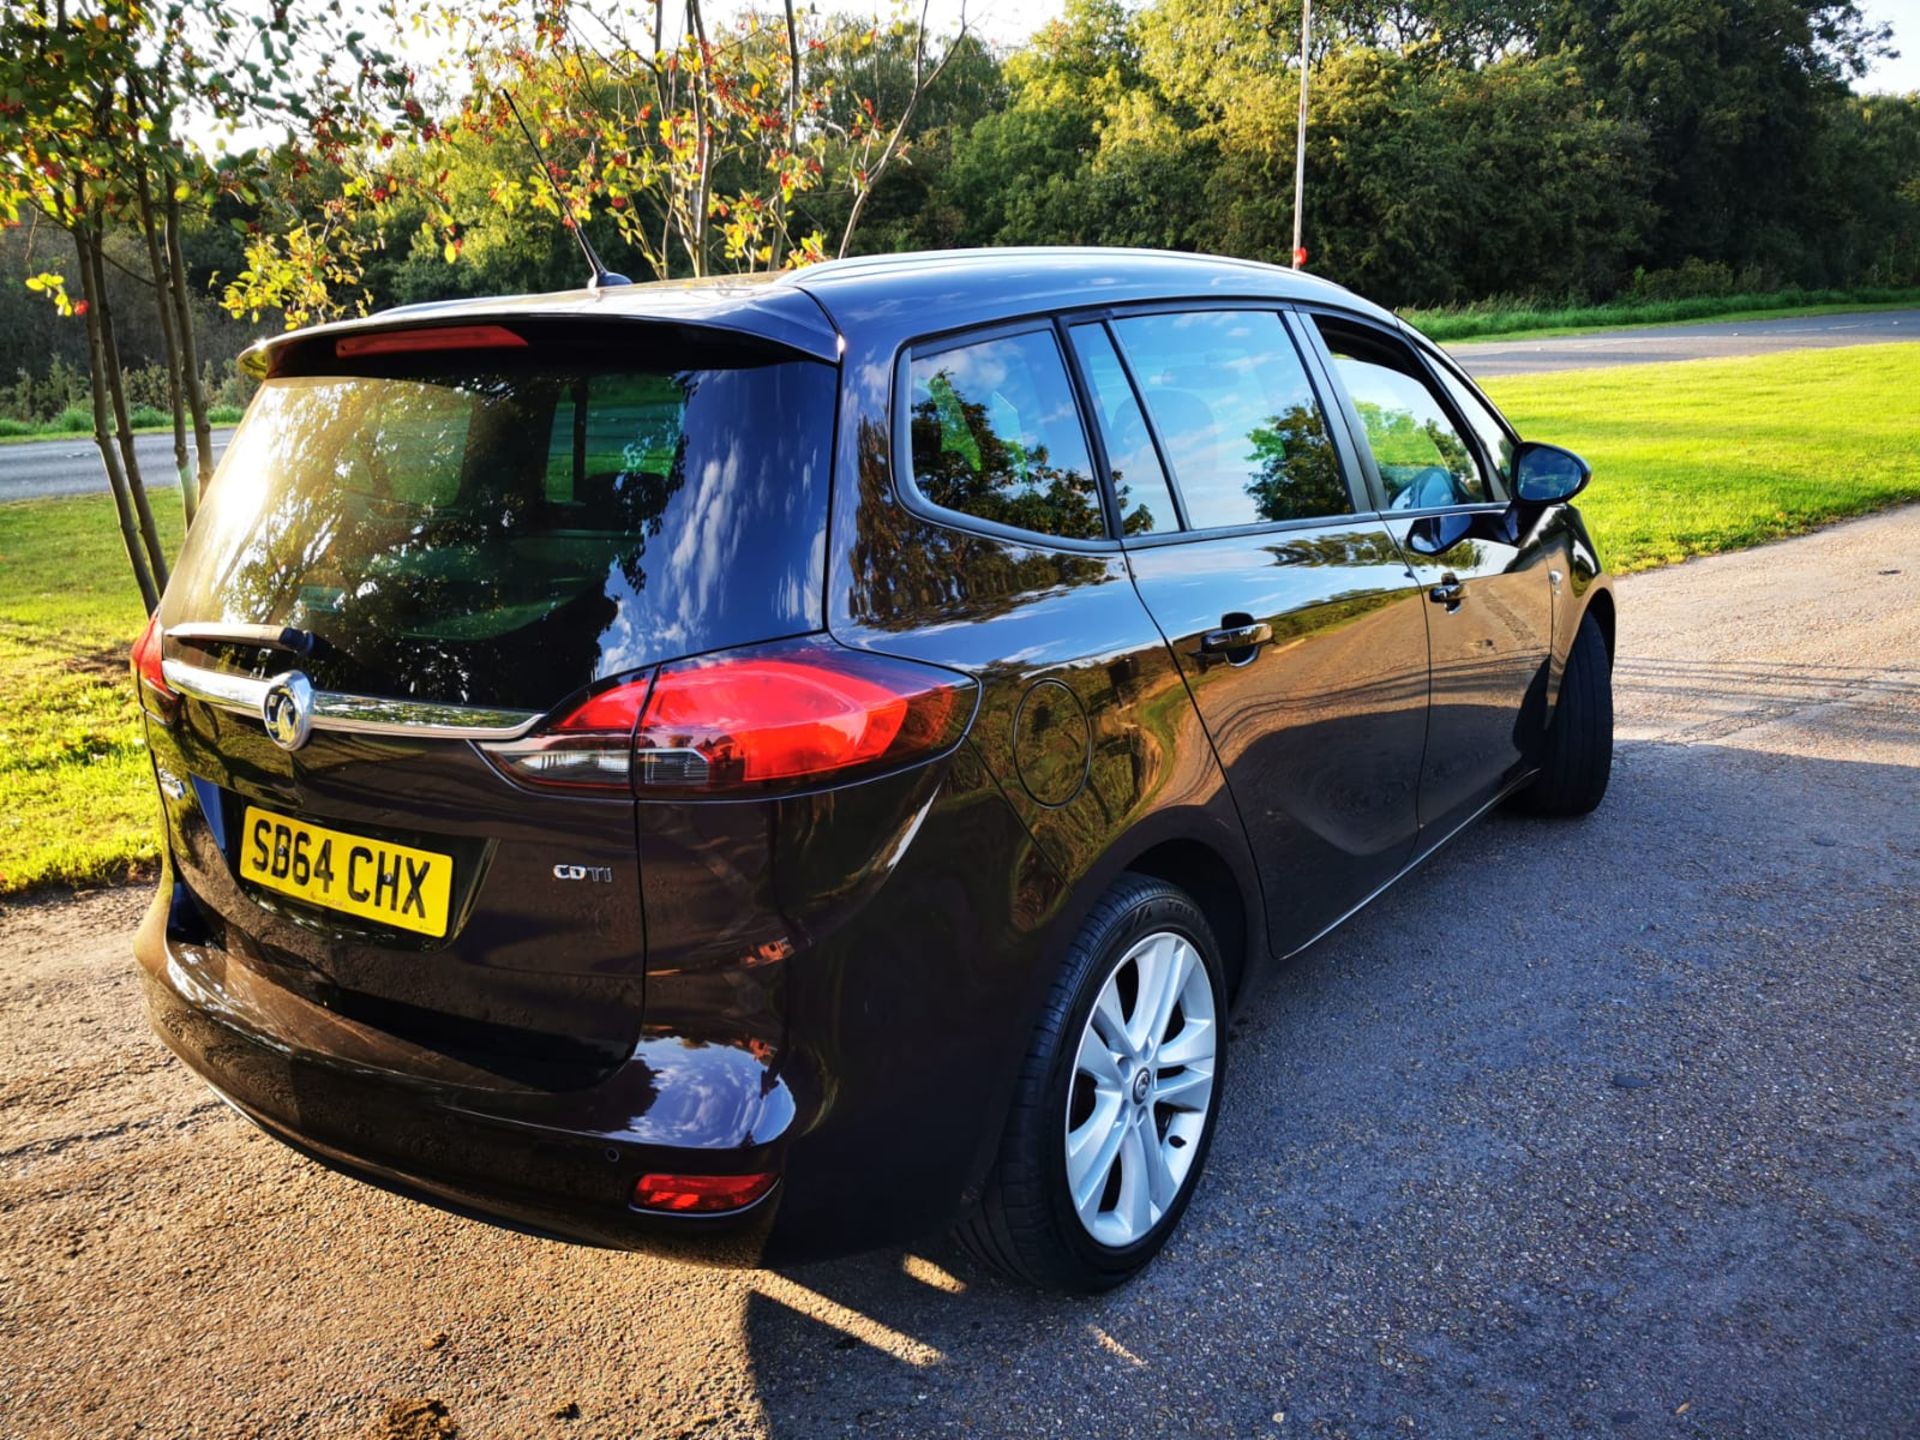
<point>1358,495</point>
<point>1090,408</point>
<point>906,483</point>
<point>1309,315</point>
<point>1438,360</point>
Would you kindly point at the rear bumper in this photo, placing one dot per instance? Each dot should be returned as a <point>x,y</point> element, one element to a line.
<point>864,1050</point>
<point>561,1164</point>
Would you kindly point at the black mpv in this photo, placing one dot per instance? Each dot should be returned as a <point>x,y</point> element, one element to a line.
<point>781,766</point>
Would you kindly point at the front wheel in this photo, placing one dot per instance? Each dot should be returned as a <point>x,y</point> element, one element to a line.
<point>1115,1110</point>
<point>1578,759</point>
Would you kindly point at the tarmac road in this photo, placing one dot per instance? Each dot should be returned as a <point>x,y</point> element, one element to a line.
<point>38,469</point>
<point>1608,1128</point>
<point>1656,343</point>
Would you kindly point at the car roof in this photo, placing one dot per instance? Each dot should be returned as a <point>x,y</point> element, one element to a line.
<point>1066,275</point>
<point>809,310</point>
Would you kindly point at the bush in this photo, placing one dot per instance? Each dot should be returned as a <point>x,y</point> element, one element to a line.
<point>224,414</point>
<point>146,388</point>
<point>44,397</point>
<point>1695,279</point>
<point>74,420</point>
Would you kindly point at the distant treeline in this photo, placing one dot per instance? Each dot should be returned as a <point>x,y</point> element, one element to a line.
<point>1555,150</point>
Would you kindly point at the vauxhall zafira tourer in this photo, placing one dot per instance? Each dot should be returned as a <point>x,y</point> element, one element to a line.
<point>778,767</point>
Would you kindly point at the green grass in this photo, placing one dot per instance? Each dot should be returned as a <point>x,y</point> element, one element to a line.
<point>76,796</point>
<point>1689,459</point>
<point>1504,321</point>
<point>1712,455</point>
<point>77,423</point>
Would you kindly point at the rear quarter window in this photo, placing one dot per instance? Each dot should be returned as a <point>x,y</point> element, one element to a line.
<point>995,433</point>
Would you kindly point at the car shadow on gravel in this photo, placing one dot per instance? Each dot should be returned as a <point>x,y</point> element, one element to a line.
<point>1603,1127</point>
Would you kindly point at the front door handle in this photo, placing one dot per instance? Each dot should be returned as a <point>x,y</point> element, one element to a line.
<point>1236,637</point>
<point>1449,592</point>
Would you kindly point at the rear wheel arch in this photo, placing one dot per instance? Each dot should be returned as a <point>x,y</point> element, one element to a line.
<point>1202,850</point>
<point>1208,877</point>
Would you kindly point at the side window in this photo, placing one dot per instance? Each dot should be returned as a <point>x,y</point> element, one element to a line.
<point>1234,410</point>
<point>1496,441</point>
<point>996,434</point>
<point>1422,458</point>
<point>1146,505</point>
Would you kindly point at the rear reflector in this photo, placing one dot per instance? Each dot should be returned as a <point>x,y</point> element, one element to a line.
<point>793,713</point>
<point>155,694</point>
<point>699,1194</point>
<point>443,337</point>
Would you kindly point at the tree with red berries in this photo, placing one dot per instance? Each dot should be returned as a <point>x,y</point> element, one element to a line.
<point>95,97</point>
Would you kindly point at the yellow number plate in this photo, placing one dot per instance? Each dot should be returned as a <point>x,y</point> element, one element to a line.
<point>392,884</point>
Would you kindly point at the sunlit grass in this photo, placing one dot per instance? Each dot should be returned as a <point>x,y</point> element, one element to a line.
<point>1711,455</point>
<point>76,795</point>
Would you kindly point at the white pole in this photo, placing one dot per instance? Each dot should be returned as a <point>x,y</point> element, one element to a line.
<point>1300,144</point>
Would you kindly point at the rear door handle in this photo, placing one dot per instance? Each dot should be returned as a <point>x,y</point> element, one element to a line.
<point>1236,637</point>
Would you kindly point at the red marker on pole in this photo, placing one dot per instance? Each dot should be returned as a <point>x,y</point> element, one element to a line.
<point>1299,256</point>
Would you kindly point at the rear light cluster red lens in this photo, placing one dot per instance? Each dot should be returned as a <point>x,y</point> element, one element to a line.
<point>775,716</point>
<point>155,694</point>
<point>699,1194</point>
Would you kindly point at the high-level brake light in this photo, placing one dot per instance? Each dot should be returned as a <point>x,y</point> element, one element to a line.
<point>773,716</point>
<point>438,337</point>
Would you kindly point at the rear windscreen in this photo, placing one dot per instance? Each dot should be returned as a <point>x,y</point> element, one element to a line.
<point>499,530</point>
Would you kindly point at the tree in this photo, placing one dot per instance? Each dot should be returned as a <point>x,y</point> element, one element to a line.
<point>720,147</point>
<point>1731,98</point>
<point>96,93</point>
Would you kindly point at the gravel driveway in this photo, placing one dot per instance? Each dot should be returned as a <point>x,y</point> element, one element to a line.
<point>1602,1128</point>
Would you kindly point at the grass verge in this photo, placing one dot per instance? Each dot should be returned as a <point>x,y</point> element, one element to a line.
<point>76,795</point>
<point>1689,459</point>
<point>1499,320</point>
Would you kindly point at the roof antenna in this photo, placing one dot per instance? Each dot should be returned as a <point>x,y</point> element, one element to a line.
<point>601,277</point>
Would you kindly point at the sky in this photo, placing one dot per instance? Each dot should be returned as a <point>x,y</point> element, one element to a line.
<point>1903,74</point>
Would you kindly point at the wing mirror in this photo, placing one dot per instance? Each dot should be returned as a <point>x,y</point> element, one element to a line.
<point>1547,474</point>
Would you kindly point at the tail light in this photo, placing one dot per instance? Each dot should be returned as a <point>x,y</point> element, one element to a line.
<point>775,716</point>
<point>699,1194</point>
<point>156,696</point>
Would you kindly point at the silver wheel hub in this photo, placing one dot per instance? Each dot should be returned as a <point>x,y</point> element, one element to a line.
<point>1142,1089</point>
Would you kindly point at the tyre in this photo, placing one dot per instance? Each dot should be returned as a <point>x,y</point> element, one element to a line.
<point>1578,756</point>
<point>1117,1099</point>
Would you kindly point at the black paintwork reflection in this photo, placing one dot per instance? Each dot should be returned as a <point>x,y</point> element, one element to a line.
<point>1492,654</point>
<point>529,962</point>
<point>1321,731</point>
<point>903,569</point>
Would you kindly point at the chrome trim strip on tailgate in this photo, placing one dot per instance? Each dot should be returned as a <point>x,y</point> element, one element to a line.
<point>356,714</point>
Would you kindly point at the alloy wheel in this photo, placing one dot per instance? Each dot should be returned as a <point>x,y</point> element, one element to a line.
<point>1142,1089</point>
